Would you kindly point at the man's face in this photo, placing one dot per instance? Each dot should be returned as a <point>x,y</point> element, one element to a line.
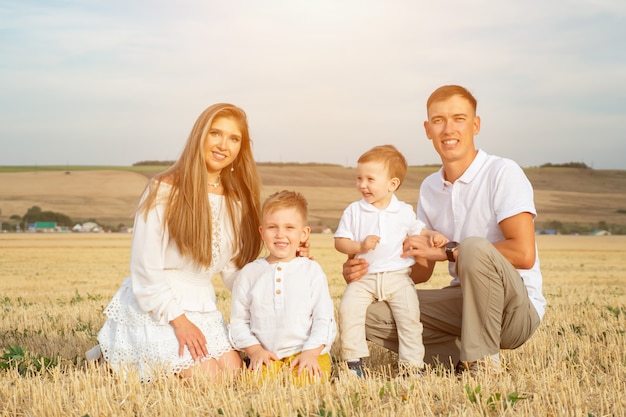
<point>451,126</point>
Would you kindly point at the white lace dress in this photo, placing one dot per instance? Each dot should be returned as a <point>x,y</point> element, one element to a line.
<point>163,285</point>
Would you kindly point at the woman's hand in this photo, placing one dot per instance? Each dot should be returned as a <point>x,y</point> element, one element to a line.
<point>189,334</point>
<point>303,250</point>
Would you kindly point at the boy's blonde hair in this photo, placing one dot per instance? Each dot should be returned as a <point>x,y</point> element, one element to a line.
<point>286,199</point>
<point>390,157</point>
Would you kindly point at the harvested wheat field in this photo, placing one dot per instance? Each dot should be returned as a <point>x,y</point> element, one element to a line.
<point>55,286</point>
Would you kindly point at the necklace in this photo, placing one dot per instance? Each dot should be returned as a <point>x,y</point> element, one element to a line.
<point>217,183</point>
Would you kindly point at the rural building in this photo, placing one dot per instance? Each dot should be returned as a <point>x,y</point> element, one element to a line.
<point>321,229</point>
<point>43,227</point>
<point>86,227</point>
<point>600,233</point>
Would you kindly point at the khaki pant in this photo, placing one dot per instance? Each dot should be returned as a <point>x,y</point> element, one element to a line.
<point>489,311</point>
<point>398,291</point>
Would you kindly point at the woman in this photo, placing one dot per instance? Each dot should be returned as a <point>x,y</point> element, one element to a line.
<point>197,218</point>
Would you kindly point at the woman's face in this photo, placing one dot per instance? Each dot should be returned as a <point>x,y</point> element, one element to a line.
<point>222,144</point>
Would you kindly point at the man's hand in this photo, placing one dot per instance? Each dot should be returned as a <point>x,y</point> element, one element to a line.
<point>419,246</point>
<point>425,255</point>
<point>354,269</point>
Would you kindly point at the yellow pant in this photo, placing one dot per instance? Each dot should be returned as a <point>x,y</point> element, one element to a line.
<point>280,368</point>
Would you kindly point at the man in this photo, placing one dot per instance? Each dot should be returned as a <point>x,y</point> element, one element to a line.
<point>485,203</point>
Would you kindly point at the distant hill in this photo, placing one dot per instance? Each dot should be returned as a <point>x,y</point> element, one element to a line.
<point>561,194</point>
<point>110,194</point>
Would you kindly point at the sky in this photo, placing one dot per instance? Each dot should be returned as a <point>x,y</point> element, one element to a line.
<point>115,82</point>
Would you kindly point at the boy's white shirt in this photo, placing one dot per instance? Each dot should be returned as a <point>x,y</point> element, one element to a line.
<point>393,224</point>
<point>285,306</point>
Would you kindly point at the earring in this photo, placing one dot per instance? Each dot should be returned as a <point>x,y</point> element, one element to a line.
<point>232,167</point>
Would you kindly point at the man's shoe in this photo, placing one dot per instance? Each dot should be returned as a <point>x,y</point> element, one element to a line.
<point>475,368</point>
<point>488,365</point>
<point>356,367</point>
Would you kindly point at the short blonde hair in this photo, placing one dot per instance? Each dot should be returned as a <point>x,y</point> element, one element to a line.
<point>390,157</point>
<point>445,92</point>
<point>286,199</point>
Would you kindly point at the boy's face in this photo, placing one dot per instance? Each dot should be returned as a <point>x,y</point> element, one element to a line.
<point>374,184</point>
<point>282,230</point>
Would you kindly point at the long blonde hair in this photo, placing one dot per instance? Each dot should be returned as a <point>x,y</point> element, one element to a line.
<point>188,213</point>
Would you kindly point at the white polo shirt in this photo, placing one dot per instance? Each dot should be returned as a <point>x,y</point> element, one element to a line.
<point>490,190</point>
<point>392,224</point>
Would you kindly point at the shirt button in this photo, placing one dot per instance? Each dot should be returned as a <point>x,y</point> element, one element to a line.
<point>277,291</point>
<point>278,279</point>
<point>278,268</point>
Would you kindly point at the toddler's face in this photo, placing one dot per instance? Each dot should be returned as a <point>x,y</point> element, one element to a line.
<point>374,184</point>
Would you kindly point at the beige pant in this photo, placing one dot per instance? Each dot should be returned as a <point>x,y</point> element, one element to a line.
<point>490,310</point>
<point>398,292</point>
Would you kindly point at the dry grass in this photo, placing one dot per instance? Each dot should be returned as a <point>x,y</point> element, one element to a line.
<point>54,287</point>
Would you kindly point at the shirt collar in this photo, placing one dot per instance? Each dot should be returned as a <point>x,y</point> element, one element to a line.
<point>472,171</point>
<point>393,207</point>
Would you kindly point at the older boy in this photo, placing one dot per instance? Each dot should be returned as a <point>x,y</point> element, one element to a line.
<point>282,312</point>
